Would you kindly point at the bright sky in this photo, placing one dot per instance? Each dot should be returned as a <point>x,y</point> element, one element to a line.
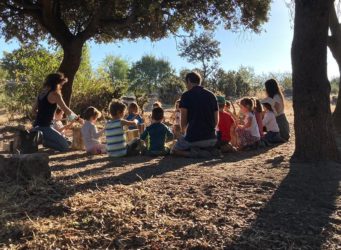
<point>266,52</point>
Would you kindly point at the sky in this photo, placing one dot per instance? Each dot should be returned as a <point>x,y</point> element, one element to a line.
<point>266,52</point>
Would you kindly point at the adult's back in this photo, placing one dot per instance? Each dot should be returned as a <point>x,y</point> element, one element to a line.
<point>201,106</point>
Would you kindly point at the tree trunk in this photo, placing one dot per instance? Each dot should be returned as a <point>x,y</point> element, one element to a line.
<point>315,139</point>
<point>69,66</point>
<point>337,111</point>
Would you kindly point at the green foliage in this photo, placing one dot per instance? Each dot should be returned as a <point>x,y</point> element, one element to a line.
<point>172,90</point>
<point>149,74</point>
<point>204,50</point>
<point>335,86</point>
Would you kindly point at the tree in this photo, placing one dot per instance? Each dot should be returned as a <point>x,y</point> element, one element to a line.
<point>149,73</point>
<point>334,44</point>
<point>202,49</point>
<point>311,89</point>
<point>171,90</point>
<point>72,23</point>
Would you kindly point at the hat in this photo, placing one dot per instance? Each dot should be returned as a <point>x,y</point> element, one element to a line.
<point>268,100</point>
<point>221,100</point>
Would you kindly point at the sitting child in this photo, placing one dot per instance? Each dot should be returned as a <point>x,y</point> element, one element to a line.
<point>133,114</point>
<point>58,124</point>
<point>156,135</point>
<point>115,135</point>
<point>176,117</point>
<point>258,111</point>
<point>248,134</point>
<point>91,136</point>
<point>270,123</point>
<point>226,126</point>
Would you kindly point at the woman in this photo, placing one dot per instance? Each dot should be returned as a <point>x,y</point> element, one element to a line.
<point>45,107</point>
<point>273,91</point>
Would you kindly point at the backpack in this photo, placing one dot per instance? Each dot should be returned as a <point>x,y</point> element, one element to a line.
<point>27,142</point>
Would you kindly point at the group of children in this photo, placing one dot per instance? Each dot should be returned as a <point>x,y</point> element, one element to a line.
<point>234,132</point>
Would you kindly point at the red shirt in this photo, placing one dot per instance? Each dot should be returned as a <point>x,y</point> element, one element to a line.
<point>225,123</point>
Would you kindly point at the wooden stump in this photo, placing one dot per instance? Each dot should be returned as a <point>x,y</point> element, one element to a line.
<point>132,134</point>
<point>77,141</point>
<point>26,166</point>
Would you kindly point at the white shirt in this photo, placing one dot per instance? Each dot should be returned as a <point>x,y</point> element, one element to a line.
<point>277,99</point>
<point>254,130</point>
<point>269,121</point>
<point>90,135</point>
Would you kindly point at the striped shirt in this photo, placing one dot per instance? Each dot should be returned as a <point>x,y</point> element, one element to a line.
<point>116,139</point>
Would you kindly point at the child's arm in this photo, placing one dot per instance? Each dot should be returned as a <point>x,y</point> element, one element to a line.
<point>169,134</point>
<point>129,123</point>
<point>248,123</point>
<point>144,135</point>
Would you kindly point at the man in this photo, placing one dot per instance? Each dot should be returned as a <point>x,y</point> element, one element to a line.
<point>199,119</point>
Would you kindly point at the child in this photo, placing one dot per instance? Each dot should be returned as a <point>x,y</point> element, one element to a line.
<point>248,134</point>
<point>156,135</point>
<point>58,124</point>
<point>269,121</point>
<point>258,111</point>
<point>225,127</point>
<point>115,135</point>
<point>176,120</point>
<point>90,133</point>
<point>157,104</point>
<point>133,114</point>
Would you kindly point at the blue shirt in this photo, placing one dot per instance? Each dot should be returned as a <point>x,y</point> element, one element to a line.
<point>132,117</point>
<point>201,105</point>
<point>156,135</point>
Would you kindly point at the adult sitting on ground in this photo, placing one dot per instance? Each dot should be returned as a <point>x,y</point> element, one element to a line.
<point>45,107</point>
<point>199,119</point>
<point>274,92</point>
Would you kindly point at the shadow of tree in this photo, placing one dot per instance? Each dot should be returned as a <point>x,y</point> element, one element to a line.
<point>298,214</point>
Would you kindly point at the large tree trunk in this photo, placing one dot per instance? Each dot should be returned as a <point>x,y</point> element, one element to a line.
<point>70,64</point>
<point>315,139</point>
<point>334,44</point>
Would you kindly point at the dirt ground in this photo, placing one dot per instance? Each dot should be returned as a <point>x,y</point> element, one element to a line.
<point>247,200</point>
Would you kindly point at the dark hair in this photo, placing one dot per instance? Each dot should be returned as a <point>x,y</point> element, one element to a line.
<point>193,77</point>
<point>58,111</point>
<point>258,106</point>
<point>116,107</point>
<point>268,106</point>
<point>248,103</point>
<point>228,103</point>
<point>91,112</point>
<point>272,88</point>
<point>157,104</point>
<point>52,80</point>
<point>221,105</point>
<point>157,114</point>
<point>134,106</point>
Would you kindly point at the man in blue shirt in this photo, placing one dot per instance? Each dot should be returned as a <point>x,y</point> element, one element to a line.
<point>199,119</point>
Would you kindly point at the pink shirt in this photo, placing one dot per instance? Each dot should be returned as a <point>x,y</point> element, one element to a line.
<point>259,123</point>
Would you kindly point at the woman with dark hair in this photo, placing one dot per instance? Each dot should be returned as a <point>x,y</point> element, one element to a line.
<point>274,92</point>
<point>45,106</point>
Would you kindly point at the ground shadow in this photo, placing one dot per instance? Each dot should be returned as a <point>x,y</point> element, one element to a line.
<point>298,214</point>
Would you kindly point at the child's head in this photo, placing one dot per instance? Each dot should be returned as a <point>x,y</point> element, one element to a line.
<point>157,114</point>
<point>133,108</point>
<point>117,108</point>
<point>157,105</point>
<point>221,102</point>
<point>58,115</point>
<point>177,104</point>
<point>92,114</point>
<point>258,106</point>
<point>246,105</point>
<point>267,107</point>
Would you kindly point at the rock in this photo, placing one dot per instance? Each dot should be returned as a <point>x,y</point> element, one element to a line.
<point>25,166</point>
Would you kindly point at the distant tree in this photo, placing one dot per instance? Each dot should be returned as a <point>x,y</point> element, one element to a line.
<point>149,73</point>
<point>72,23</point>
<point>204,50</point>
<point>171,90</point>
<point>314,135</point>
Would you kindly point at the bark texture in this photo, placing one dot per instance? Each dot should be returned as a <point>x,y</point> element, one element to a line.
<point>315,140</point>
